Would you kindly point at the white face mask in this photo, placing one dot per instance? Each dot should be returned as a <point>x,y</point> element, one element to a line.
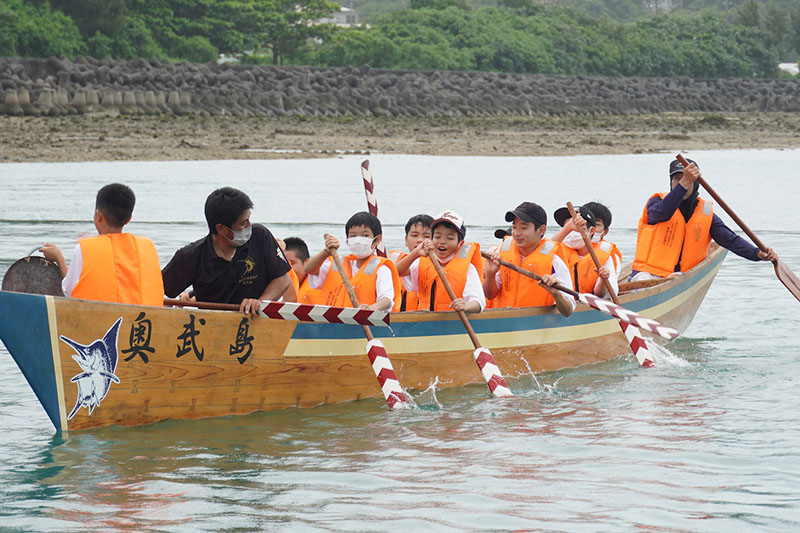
<point>241,236</point>
<point>597,237</point>
<point>573,240</point>
<point>360,247</point>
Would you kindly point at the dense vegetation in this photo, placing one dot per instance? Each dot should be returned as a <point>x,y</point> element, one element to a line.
<point>496,35</point>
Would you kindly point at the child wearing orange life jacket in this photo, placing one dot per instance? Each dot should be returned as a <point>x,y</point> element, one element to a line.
<point>527,248</point>
<point>374,279</point>
<point>586,277</point>
<point>418,228</point>
<point>297,255</point>
<point>460,262</point>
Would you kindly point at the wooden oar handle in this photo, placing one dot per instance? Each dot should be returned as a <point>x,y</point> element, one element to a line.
<point>348,286</point>
<point>201,305</point>
<point>461,314</point>
<point>588,242</point>
<point>530,274</point>
<point>725,206</point>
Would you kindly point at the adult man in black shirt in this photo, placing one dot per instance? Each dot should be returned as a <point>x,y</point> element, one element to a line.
<point>235,263</point>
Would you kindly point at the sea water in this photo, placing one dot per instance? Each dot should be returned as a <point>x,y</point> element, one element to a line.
<point>708,440</point>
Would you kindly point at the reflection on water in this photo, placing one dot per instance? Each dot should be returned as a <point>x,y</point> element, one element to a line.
<point>706,441</point>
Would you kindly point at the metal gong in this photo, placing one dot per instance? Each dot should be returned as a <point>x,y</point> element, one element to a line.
<point>34,275</point>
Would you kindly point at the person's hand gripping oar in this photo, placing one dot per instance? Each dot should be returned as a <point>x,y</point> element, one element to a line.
<point>632,333</point>
<point>784,273</point>
<point>378,358</point>
<point>595,302</point>
<point>483,357</point>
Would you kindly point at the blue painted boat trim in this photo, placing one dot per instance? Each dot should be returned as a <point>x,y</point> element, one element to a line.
<point>311,331</point>
<point>25,331</point>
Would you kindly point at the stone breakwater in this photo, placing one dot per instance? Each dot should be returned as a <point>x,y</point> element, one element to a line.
<point>58,86</point>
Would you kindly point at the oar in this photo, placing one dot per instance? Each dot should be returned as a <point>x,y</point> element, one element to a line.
<point>372,202</point>
<point>784,273</point>
<point>632,333</point>
<point>604,306</point>
<point>483,357</point>
<point>379,359</point>
<point>299,312</point>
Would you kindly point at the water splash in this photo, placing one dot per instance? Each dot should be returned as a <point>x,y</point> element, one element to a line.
<point>427,399</point>
<point>665,358</point>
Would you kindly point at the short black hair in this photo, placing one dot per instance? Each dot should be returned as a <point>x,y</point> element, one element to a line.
<point>364,218</point>
<point>423,220</point>
<point>600,212</point>
<point>116,202</point>
<point>224,206</point>
<point>298,246</point>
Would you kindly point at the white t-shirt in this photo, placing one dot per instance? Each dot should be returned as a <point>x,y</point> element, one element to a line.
<point>384,287</point>
<point>560,271</point>
<point>73,272</point>
<point>473,289</point>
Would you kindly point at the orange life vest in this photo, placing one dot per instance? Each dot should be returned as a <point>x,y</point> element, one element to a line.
<point>517,290</point>
<point>333,292</point>
<point>583,270</point>
<point>121,268</point>
<point>305,294</point>
<point>408,299</point>
<point>662,247</point>
<point>432,296</point>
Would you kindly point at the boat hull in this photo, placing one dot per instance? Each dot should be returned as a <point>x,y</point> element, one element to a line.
<point>93,364</point>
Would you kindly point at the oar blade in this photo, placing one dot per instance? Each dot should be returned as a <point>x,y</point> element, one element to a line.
<point>638,344</point>
<point>788,278</point>
<point>491,373</point>
<point>387,379</point>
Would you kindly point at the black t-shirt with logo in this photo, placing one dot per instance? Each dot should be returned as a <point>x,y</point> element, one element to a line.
<point>246,275</point>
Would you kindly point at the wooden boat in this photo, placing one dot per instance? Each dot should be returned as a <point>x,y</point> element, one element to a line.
<point>93,364</point>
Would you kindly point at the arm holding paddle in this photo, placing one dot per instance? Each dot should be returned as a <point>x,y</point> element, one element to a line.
<point>721,234</point>
<point>548,282</point>
<point>784,273</point>
<point>426,249</point>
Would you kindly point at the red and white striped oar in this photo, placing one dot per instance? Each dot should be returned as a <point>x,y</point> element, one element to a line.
<point>372,202</point>
<point>632,333</point>
<point>483,357</point>
<point>604,306</point>
<point>301,312</point>
<point>381,364</point>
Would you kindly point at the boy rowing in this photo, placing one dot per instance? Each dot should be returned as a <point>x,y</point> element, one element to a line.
<point>459,260</point>
<point>586,277</point>
<point>526,247</point>
<point>374,278</point>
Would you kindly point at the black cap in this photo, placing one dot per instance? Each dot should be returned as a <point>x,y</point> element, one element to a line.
<point>502,233</point>
<point>529,212</point>
<point>676,166</point>
<point>562,215</point>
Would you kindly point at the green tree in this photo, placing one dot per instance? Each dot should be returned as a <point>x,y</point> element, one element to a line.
<point>794,32</point>
<point>776,24</point>
<point>748,14</point>
<point>34,30</point>
<point>287,26</point>
<point>92,16</point>
<point>439,4</point>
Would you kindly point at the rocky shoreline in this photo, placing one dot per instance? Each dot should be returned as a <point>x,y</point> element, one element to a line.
<point>58,86</point>
<point>88,110</point>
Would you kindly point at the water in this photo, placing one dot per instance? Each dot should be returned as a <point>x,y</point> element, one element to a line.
<point>706,441</point>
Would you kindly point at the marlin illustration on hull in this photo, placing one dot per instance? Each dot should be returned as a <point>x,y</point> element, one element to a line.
<point>98,361</point>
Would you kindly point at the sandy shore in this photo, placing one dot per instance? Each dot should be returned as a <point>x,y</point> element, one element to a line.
<point>105,138</point>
